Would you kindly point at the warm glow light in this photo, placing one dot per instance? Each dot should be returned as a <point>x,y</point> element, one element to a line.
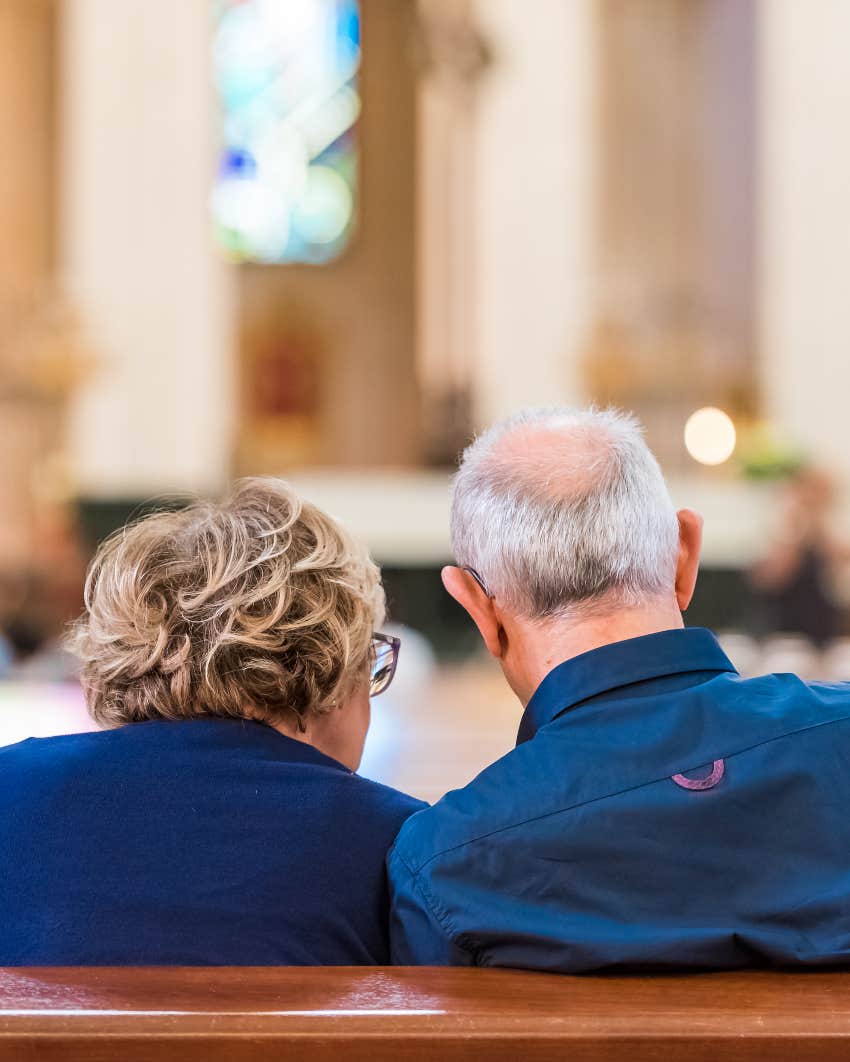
<point>710,436</point>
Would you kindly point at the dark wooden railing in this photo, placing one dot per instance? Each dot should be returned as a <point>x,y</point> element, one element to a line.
<point>236,1014</point>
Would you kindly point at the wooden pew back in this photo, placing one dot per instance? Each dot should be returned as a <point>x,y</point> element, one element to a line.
<point>312,1014</point>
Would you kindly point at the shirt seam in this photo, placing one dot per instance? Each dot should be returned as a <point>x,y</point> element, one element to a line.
<point>441,917</point>
<point>618,792</point>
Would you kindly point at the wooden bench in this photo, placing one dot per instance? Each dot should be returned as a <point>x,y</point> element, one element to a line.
<point>233,1014</point>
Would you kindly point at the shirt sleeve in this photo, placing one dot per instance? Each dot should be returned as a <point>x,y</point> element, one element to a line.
<point>417,936</point>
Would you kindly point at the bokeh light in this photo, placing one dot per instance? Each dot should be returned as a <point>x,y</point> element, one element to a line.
<point>710,436</point>
<point>287,79</point>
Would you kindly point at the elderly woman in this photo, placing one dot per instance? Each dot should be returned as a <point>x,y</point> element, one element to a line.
<point>229,653</point>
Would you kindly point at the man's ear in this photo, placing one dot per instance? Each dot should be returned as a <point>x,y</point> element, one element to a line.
<point>687,565</point>
<point>469,595</point>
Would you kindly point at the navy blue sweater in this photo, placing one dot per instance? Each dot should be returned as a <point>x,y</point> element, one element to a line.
<point>205,841</point>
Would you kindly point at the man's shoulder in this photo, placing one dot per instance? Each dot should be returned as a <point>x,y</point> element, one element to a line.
<point>566,766</point>
<point>493,801</point>
<point>785,699</point>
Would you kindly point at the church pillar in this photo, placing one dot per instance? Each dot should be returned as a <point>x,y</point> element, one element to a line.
<point>139,133</point>
<point>805,224</point>
<point>674,278</point>
<point>533,166</point>
<point>28,429</point>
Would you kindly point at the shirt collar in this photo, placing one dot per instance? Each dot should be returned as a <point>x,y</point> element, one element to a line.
<point>652,656</point>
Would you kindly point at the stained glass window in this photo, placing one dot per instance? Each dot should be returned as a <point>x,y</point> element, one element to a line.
<point>286,74</point>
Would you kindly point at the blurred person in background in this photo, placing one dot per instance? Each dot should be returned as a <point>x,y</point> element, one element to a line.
<point>29,625</point>
<point>659,810</point>
<point>229,651</point>
<point>796,580</point>
<point>36,652</point>
<point>38,601</point>
<point>7,655</point>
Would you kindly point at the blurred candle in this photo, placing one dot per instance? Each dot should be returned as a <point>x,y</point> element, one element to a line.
<point>710,436</point>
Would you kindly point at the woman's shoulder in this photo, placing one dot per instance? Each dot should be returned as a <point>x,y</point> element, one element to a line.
<point>359,813</point>
<point>392,802</point>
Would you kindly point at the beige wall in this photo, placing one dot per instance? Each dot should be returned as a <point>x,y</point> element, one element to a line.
<point>136,249</point>
<point>26,127</point>
<point>805,222</point>
<point>533,203</point>
<point>28,420</point>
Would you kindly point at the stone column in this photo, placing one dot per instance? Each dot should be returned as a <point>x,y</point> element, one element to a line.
<point>28,417</point>
<point>139,136</point>
<point>805,224</point>
<point>674,277</point>
<point>533,167</point>
<point>454,57</point>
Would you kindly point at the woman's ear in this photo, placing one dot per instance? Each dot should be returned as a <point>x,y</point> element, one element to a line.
<point>687,564</point>
<point>470,596</point>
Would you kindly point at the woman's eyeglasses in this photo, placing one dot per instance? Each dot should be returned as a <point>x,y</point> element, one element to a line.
<point>384,662</point>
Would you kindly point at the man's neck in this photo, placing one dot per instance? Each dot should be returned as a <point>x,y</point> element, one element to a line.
<point>537,647</point>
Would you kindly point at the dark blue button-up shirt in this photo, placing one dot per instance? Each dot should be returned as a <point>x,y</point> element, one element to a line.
<point>658,810</point>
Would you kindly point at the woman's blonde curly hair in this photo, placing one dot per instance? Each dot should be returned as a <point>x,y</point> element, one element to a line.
<point>259,607</point>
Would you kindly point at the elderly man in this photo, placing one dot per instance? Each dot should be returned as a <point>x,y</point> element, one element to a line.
<point>658,810</point>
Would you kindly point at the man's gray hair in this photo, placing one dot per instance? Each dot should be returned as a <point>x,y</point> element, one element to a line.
<point>565,509</point>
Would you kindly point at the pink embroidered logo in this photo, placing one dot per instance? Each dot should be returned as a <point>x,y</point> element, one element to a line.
<point>709,782</point>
